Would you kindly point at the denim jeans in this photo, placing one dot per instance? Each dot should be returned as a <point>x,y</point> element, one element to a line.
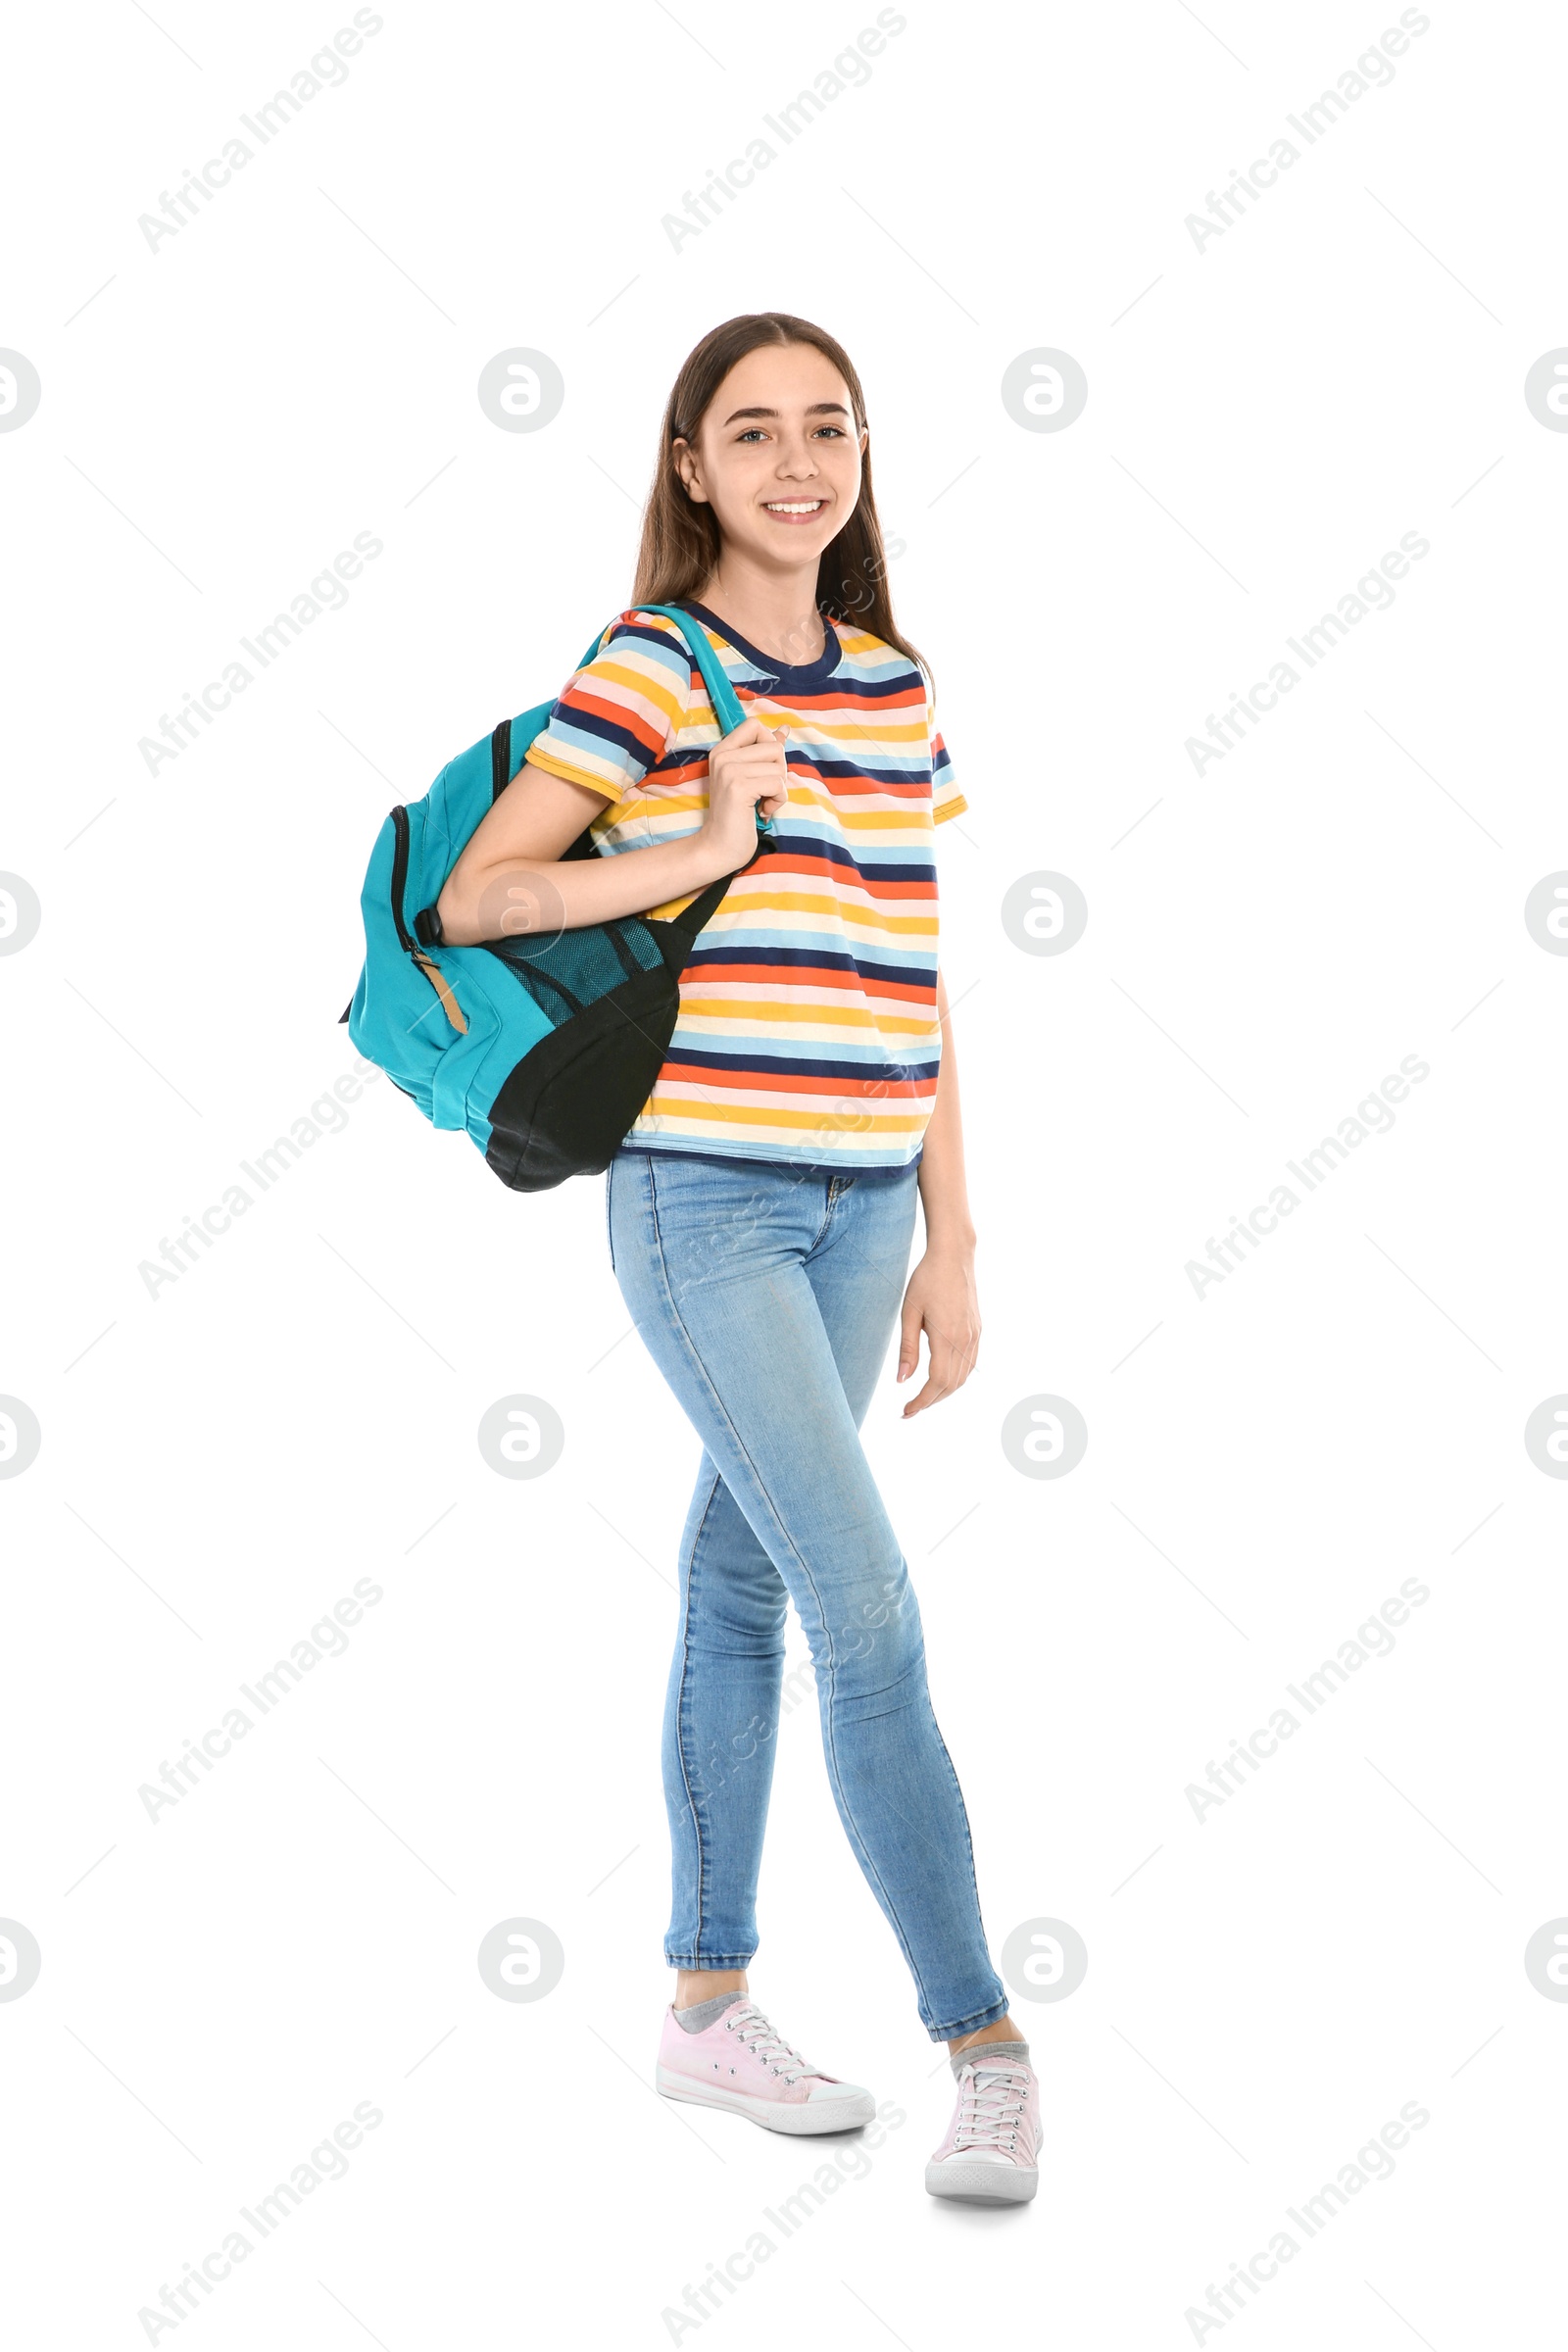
<point>766,1295</point>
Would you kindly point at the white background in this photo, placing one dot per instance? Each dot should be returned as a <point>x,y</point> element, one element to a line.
<point>221,1461</point>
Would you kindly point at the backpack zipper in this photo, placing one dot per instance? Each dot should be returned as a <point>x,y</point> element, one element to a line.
<point>400,872</point>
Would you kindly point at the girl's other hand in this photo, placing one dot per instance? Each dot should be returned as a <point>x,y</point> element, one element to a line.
<point>941,1301</point>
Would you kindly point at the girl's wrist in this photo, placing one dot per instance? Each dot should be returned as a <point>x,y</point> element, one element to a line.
<point>707,861</point>
<point>713,860</point>
<point>949,1236</point>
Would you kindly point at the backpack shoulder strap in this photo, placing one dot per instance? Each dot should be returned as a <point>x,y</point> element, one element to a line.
<point>728,714</point>
<point>720,692</point>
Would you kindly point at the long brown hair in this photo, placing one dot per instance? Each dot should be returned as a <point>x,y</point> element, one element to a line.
<point>680,543</point>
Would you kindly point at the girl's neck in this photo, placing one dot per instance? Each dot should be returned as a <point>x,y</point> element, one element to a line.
<point>776,612</point>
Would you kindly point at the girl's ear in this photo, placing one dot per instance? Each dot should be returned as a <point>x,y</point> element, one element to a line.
<point>686,467</point>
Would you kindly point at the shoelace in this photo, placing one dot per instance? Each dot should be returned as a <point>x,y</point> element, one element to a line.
<point>991,2107</point>
<point>747,2023</point>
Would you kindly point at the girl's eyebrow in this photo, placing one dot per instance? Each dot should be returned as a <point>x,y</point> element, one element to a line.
<point>819,408</point>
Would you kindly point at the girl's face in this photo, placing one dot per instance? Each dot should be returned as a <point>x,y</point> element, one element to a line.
<point>777,456</point>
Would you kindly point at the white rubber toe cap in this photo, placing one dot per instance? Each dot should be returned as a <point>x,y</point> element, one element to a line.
<point>983,2179</point>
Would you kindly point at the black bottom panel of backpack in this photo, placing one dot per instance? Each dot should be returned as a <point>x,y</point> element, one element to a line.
<point>568,1104</point>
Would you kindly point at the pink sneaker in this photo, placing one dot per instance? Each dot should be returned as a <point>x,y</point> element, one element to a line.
<point>741,2063</point>
<point>994,2138</point>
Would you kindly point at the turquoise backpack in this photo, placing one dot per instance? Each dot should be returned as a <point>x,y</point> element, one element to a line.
<point>545,1048</point>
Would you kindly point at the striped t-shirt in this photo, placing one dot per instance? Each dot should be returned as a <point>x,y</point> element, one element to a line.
<point>808,1029</point>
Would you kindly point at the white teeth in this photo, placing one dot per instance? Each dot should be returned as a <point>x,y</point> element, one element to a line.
<point>799,506</point>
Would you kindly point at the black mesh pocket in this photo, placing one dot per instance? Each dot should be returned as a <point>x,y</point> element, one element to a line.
<point>577,968</point>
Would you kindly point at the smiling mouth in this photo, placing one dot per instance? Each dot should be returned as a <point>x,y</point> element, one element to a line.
<point>795,505</point>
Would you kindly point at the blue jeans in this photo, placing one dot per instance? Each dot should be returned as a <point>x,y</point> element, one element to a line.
<point>766,1295</point>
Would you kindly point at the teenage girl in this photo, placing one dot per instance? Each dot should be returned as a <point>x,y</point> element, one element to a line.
<point>761,1207</point>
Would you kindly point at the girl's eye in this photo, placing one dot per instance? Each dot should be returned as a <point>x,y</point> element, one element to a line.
<point>755,432</point>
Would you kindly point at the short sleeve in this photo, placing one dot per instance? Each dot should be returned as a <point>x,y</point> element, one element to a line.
<point>946,797</point>
<point>618,715</point>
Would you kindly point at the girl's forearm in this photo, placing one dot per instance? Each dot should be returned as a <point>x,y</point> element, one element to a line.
<point>944,1192</point>
<point>523,895</point>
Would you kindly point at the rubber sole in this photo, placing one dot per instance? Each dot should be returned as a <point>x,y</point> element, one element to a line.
<point>982,2184</point>
<point>803,2122</point>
